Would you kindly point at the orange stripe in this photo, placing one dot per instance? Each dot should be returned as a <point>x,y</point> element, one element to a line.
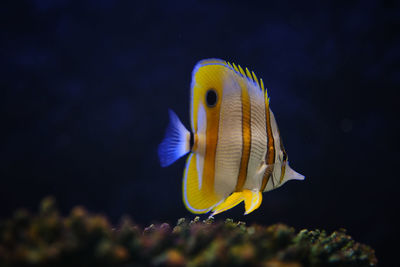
<point>246,137</point>
<point>267,175</point>
<point>283,168</point>
<point>211,148</point>
<point>270,158</point>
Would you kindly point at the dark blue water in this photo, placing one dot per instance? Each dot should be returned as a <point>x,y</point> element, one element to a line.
<point>85,88</point>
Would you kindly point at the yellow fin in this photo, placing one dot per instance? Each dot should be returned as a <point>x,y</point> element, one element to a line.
<point>265,92</point>
<point>255,78</point>
<point>235,68</point>
<point>197,200</point>
<point>252,200</point>
<point>229,203</point>
<point>241,71</point>
<point>262,87</point>
<point>248,74</point>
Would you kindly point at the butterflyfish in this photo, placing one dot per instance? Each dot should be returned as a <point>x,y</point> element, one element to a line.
<point>235,148</point>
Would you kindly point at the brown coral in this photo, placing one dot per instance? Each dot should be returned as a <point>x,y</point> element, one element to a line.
<point>82,239</point>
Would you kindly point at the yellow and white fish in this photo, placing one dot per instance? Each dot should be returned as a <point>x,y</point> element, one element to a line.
<point>236,151</point>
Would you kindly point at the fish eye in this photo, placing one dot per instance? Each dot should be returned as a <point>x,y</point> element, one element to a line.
<point>211,98</point>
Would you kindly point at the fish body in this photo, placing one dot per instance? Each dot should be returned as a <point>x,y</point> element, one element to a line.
<point>235,148</point>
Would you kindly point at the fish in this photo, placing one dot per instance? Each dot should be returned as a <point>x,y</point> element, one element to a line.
<point>235,150</point>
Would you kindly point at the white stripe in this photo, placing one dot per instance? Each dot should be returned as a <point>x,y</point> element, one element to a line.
<point>276,174</point>
<point>229,146</point>
<point>201,142</point>
<point>193,83</point>
<point>258,146</point>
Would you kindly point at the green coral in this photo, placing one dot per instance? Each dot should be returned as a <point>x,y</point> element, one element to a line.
<point>82,239</point>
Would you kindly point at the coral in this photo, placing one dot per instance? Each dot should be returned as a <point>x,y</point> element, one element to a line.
<point>83,239</point>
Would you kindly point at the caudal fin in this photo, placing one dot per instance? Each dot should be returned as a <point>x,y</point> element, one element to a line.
<point>176,142</point>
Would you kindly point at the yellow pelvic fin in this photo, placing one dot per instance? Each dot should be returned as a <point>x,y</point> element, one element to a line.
<point>252,200</point>
<point>229,203</point>
<point>197,199</point>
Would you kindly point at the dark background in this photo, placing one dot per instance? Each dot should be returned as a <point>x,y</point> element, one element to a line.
<point>85,88</point>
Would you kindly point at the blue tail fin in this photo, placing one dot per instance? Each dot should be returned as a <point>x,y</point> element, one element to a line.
<point>176,142</point>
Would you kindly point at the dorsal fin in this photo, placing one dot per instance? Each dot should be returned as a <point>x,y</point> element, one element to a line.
<point>211,61</point>
<point>250,75</point>
<point>265,92</point>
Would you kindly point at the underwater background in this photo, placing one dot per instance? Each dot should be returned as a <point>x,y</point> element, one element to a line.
<point>85,87</point>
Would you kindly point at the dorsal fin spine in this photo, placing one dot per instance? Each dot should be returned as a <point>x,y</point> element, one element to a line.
<point>262,87</point>
<point>265,92</point>
<point>241,71</point>
<point>255,78</point>
<point>249,74</point>
<point>235,68</point>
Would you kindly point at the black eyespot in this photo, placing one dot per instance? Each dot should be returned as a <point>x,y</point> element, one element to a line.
<point>211,98</point>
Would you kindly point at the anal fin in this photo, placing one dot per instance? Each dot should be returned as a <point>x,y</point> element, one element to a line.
<point>229,203</point>
<point>252,201</point>
<point>197,198</point>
